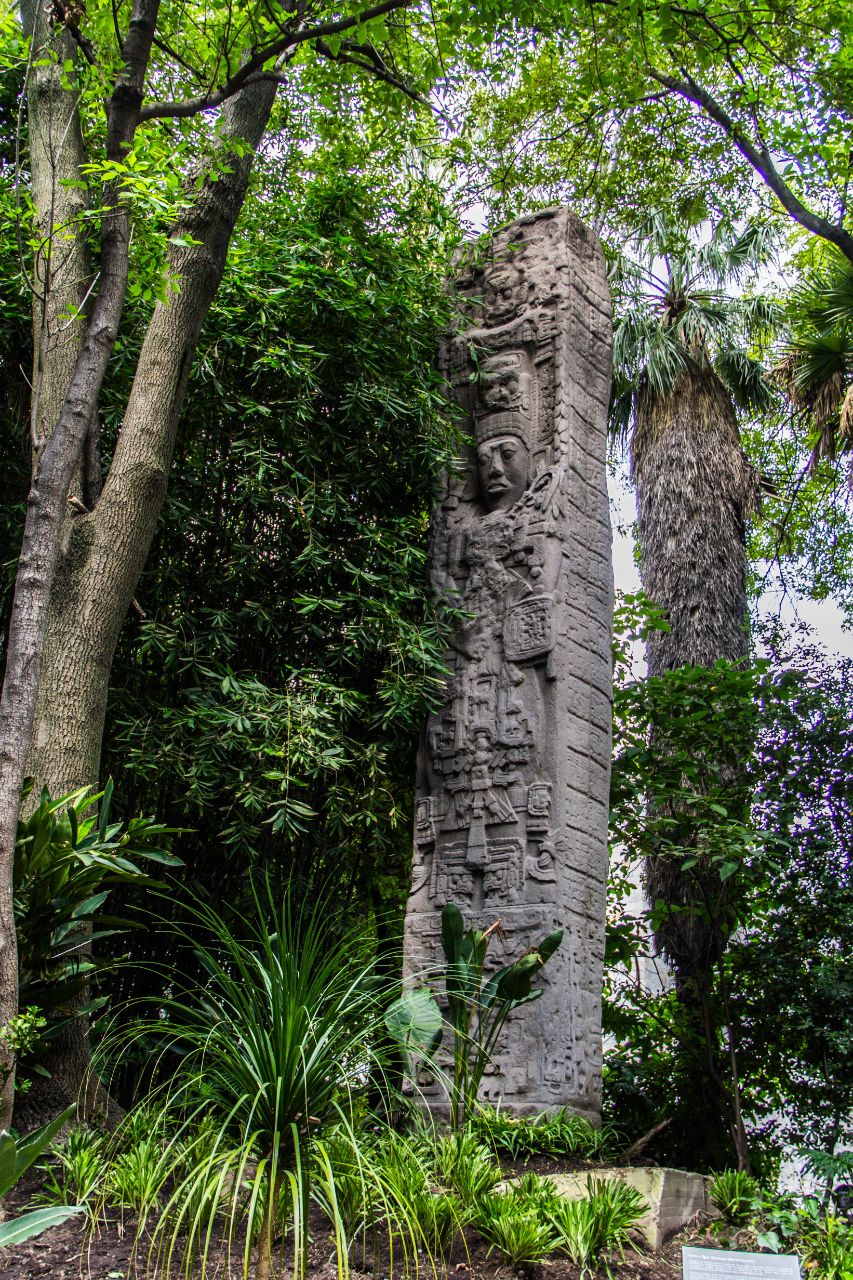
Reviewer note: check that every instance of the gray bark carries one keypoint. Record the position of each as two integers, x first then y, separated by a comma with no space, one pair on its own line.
77,575
694,491
106,549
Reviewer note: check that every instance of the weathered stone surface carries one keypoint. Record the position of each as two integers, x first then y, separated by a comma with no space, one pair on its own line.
673,1196
513,769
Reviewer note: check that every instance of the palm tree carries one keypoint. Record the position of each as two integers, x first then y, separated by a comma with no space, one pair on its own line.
816,369
682,370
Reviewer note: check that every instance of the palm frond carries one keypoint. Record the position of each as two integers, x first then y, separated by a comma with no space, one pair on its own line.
817,366
621,414
845,426
744,378
691,320
665,359
827,298
760,316
752,248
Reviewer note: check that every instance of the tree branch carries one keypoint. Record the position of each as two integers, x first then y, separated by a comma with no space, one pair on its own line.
252,70
760,159
371,60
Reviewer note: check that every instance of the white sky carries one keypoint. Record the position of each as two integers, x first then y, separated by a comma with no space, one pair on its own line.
822,616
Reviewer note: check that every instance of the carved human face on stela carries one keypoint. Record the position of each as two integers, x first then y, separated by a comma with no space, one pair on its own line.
502,465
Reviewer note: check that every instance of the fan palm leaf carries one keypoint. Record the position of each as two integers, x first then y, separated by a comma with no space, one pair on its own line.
816,365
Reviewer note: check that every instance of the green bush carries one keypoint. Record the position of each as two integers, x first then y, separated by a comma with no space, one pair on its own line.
276,1041
824,1242
465,1164
422,1212
736,1194
540,1192
513,1226
76,1171
559,1134
68,856
587,1230
136,1176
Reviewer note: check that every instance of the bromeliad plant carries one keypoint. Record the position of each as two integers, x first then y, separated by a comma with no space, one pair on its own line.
588,1230
737,1196
276,1043
515,1228
477,1006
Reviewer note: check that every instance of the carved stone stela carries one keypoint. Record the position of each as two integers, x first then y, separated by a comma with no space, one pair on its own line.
513,769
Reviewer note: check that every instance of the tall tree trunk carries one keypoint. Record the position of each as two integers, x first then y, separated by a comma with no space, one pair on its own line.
61,269
58,448
694,490
78,569
107,548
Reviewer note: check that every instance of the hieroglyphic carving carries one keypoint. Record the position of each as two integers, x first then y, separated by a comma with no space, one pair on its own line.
513,767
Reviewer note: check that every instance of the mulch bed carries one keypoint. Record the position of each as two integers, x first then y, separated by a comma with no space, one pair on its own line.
71,1252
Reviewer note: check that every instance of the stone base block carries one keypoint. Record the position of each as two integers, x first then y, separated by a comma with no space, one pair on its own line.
672,1195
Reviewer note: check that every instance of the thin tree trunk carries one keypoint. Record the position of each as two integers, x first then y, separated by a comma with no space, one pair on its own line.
61,269
77,573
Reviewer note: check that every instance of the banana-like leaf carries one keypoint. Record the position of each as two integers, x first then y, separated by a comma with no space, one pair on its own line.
516,981
549,944
8,1162
28,1150
33,1224
415,1024
452,932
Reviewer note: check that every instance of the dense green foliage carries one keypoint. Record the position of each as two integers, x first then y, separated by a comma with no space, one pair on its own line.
779,1009
67,859
274,1042
270,699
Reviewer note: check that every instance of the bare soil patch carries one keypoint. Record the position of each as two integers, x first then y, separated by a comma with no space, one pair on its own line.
73,1251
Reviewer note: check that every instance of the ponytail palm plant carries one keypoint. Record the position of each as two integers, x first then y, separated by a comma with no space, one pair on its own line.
685,340
274,1043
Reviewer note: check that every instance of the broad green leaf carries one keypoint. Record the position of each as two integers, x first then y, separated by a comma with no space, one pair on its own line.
33,1224
8,1162
452,931
415,1023
31,1147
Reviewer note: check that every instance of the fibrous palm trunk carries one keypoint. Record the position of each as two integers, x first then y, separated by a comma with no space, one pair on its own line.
694,490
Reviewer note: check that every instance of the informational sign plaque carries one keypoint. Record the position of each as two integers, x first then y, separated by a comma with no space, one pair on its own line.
729,1264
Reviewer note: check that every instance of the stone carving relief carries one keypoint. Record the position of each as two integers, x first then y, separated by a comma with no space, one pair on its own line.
520,545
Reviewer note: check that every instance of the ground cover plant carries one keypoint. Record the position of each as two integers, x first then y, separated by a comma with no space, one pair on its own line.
558,1133
276,1043
212,1167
